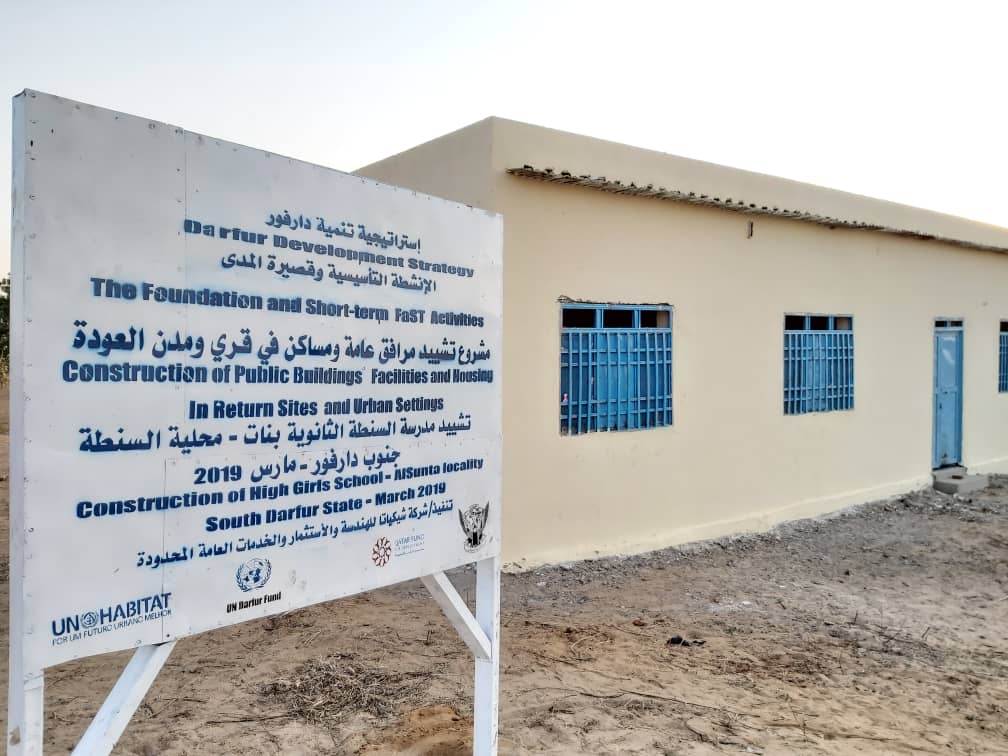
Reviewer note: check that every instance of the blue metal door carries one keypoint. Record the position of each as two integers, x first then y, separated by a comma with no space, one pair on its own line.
947,443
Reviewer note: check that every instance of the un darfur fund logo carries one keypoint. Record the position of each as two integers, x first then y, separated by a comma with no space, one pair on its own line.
473,521
74,627
255,573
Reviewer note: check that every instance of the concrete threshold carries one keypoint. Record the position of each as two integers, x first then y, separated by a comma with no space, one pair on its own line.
955,480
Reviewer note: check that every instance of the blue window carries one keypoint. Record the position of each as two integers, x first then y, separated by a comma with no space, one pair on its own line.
818,363
1003,358
615,367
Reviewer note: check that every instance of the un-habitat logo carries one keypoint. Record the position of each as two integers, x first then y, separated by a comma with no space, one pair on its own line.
74,627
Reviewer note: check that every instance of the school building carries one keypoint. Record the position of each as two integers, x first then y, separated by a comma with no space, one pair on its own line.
693,350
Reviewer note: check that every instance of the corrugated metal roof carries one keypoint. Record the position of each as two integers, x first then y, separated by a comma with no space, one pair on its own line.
735,204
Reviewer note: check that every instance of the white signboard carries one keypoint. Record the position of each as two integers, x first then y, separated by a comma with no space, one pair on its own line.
241,384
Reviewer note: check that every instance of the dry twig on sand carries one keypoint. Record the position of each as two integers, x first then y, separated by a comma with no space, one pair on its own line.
325,691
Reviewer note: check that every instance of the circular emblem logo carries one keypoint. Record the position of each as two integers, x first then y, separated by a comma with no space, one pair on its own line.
255,573
89,619
382,552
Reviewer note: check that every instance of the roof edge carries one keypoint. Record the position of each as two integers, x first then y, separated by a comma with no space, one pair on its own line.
439,139
613,186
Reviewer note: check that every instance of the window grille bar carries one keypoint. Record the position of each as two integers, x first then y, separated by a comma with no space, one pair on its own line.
591,409
667,393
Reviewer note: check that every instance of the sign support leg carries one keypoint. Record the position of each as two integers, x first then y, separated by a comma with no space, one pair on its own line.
487,687
455,609
113,716
482,635
24,715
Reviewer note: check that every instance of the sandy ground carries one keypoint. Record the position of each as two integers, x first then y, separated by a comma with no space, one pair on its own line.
881,630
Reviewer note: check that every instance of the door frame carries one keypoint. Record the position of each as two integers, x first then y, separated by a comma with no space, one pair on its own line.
954,325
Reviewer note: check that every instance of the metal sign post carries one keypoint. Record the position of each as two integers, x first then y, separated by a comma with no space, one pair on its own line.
240,385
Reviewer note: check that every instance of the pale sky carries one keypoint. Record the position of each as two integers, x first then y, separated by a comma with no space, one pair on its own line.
907,101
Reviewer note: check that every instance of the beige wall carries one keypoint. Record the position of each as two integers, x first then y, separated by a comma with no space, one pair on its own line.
455,166
731,461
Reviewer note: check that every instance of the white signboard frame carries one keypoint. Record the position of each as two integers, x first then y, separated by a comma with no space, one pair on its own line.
227,369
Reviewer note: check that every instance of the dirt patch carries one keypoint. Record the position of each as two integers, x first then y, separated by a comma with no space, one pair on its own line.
431,731
878,630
